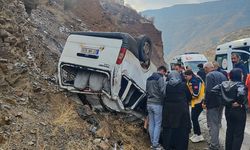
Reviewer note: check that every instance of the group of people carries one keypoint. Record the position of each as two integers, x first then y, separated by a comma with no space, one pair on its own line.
171,95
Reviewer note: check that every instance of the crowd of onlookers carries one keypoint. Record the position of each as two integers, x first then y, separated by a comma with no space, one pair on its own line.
171,95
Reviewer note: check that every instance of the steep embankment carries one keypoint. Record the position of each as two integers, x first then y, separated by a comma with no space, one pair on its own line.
34,112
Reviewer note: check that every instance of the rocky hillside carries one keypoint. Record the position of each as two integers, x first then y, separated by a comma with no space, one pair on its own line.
34,112
198,27
236,35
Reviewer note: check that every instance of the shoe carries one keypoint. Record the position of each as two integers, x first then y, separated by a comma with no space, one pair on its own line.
159,147
197,139
193,136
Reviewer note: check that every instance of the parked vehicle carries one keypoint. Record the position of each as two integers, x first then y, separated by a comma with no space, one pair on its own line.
189,60
224,51
223,57
113,66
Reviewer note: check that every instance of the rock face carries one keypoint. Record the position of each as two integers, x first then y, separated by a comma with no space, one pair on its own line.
34,112
29,5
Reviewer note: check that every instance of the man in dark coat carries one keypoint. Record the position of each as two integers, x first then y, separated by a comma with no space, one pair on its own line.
179,68
235,58
213,104
201,73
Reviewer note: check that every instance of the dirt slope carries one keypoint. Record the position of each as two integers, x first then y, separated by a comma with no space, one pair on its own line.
35,113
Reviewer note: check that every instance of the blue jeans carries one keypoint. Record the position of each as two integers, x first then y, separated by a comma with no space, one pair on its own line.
155,119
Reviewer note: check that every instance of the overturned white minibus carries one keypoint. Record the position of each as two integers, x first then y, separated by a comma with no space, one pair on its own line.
113,66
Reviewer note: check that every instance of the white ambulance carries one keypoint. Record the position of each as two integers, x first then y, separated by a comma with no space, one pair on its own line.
112,66
189,60
224,51
223,57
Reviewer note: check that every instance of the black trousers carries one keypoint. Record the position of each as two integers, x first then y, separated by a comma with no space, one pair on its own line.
236,121
195,113
175,138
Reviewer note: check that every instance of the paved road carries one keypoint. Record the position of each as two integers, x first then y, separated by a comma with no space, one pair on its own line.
203,123
204,130
246,142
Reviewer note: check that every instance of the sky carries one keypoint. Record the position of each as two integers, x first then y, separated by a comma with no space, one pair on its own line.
141,5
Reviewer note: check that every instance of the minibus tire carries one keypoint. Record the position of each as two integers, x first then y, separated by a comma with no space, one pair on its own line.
143,43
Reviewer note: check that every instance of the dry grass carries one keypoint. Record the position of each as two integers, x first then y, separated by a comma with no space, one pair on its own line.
66,116
80,145
131,136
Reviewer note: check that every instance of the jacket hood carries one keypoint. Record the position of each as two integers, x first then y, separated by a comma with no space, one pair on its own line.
155,76
228,85
229,90
174,78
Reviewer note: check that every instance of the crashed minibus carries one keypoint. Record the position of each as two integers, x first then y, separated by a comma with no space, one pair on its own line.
113,66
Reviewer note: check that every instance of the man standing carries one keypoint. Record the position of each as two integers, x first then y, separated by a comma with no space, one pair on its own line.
218,68
235,58
155,88
213,104
201,73
180,69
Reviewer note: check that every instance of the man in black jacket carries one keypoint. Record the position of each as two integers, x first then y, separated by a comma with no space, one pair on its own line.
237,63
179,68
213,105
201,73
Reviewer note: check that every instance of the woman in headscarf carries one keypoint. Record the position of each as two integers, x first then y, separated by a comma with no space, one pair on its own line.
176,117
